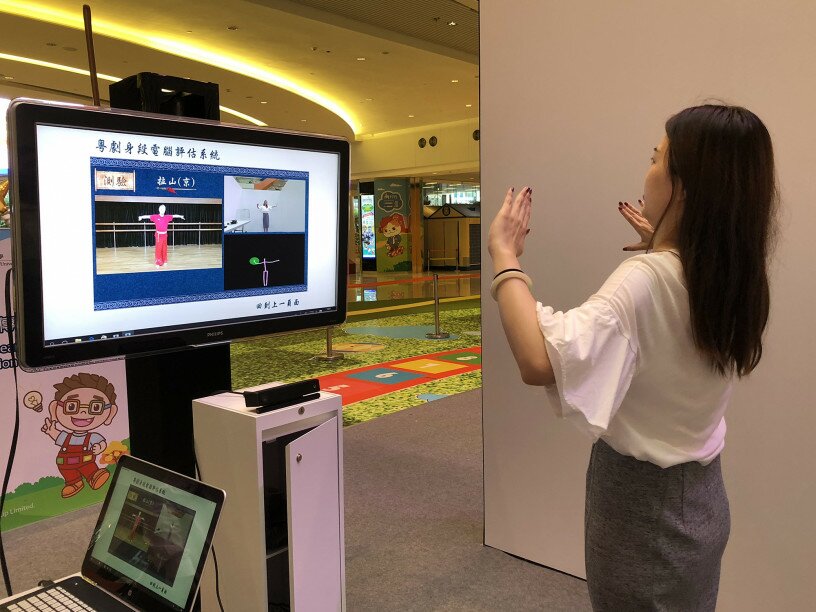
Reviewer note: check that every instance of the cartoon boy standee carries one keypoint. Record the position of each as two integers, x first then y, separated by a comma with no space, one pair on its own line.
391,227
83,402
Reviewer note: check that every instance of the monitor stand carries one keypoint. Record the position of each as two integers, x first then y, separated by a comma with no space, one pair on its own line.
160,390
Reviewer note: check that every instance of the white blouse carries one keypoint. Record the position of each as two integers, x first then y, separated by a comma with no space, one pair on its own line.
627,370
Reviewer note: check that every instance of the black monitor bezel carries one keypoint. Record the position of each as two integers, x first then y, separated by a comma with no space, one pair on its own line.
23,118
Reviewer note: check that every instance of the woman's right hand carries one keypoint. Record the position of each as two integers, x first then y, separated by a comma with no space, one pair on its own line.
638,221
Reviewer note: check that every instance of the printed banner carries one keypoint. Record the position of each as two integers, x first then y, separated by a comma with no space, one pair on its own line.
73,429
392,216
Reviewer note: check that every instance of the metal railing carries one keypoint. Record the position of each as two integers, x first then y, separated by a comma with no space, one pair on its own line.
142,227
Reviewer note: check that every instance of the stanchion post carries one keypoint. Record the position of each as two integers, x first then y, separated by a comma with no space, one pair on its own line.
437,334
329,355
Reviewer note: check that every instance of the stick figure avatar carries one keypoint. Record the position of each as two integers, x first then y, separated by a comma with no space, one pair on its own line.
255,261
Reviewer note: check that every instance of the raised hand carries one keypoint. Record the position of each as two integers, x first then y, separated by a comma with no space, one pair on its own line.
50,428
639,222
510,226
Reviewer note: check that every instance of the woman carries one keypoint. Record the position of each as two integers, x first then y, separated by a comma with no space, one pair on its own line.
646,366
264,208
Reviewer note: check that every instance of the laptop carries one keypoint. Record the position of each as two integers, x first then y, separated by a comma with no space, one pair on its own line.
148,549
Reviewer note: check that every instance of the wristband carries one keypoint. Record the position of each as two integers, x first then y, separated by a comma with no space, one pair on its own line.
498,274
505,275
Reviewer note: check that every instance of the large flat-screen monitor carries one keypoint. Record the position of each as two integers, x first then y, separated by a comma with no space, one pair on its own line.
136,233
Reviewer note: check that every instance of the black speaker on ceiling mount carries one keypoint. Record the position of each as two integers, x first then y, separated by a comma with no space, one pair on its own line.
158,93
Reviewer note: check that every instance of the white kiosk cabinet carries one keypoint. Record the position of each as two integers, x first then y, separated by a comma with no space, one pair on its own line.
279,542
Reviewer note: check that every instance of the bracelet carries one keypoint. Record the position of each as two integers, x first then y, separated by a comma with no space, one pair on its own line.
505,275
498,274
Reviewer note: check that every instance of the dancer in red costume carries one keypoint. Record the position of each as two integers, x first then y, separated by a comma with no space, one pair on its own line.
161,221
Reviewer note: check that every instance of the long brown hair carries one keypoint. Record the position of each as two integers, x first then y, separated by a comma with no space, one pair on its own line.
722,159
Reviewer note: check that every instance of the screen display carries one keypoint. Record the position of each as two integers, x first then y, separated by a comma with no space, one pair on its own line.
141,232
160,227
153,534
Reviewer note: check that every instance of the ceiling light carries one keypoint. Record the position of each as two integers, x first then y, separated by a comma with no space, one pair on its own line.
36,62
8,78
241,115
303,121
264,102
189,31
72,49
360,59
468,105
409,116
220,58
50,44
451,23
232,28
454,80
369,99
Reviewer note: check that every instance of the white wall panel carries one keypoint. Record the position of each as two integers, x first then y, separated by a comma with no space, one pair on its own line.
573,98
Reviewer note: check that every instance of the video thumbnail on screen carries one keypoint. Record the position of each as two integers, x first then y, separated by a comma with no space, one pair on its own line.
151,534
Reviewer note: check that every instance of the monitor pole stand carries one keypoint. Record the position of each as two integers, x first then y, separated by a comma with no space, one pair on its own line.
160,390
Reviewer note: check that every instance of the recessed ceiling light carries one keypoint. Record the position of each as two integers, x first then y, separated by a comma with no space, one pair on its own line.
8,78
451,23
264,102
189,31
360,59
468,105
232,28
386,52
69,48
409,116
369,99
50,44
454,80
303,121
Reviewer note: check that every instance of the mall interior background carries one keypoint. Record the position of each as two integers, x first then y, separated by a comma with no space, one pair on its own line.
400,81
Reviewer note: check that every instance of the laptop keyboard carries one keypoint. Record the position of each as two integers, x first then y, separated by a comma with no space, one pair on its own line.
53,599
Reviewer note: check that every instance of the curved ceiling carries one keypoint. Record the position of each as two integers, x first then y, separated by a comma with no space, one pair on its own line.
291,65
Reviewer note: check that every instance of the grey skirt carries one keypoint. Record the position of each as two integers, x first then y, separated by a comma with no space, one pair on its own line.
654,537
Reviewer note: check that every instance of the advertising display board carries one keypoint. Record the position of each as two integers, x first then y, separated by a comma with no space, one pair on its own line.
62,411
392,219
65,452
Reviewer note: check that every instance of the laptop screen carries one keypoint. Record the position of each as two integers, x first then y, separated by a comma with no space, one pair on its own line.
153,534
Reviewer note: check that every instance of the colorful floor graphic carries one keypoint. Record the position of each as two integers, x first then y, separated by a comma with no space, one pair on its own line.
371,381
292,357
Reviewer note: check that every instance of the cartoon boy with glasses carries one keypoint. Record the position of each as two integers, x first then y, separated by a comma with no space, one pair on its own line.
83,402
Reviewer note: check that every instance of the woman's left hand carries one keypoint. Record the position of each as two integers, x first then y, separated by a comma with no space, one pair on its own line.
510,227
